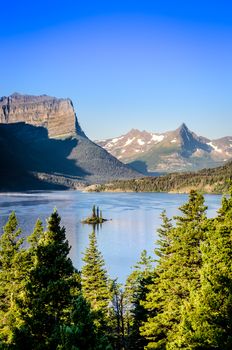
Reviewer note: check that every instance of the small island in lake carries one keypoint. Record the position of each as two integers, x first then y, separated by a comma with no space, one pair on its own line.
95,218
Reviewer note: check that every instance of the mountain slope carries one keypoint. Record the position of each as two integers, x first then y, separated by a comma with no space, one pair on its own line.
178,150
49,144
213,180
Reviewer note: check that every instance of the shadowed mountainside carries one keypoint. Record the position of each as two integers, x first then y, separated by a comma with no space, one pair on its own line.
29,157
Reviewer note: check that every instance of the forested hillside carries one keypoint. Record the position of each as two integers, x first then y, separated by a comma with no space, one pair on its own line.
216,180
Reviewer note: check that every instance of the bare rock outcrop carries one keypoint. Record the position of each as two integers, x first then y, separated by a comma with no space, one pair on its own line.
57,115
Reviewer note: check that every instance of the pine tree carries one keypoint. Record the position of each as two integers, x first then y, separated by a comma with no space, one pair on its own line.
94,211
94,279
101,217
134,295
207,315
36,235
96,286
164,241
176,273
11,276
47,298
81,332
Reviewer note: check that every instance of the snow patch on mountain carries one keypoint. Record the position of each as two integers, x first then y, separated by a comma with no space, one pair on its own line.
140,142
157,138
214,147
129,141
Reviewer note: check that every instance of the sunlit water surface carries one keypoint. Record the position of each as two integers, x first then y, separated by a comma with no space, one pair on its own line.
135,219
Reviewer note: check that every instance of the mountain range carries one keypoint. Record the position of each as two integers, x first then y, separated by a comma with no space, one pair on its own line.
43,146
178,150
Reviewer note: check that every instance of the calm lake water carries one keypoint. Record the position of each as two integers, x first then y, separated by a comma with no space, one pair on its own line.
135,218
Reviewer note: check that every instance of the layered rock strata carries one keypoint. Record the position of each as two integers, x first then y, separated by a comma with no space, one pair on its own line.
57,115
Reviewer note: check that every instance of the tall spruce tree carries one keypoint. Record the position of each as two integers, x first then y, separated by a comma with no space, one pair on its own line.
47,297
134,296
176,272
207,316
96,286
11,277
94,280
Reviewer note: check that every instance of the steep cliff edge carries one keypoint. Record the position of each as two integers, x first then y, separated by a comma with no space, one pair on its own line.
43,146
57,115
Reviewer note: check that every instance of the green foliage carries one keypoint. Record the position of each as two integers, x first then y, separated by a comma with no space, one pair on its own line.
47,295
94,211
183,302
134,296
96,289
207,316
207,180
94,280
11,276
176,271
81,332
96,217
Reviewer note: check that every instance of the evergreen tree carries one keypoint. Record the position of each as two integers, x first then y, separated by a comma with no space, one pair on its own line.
47,298
164,241
134,295
94,211
207,315
81,332
36,235
101,217
11,275
95,284
94,279
176,272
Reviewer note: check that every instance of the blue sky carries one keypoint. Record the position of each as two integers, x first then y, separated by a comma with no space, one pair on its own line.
125,64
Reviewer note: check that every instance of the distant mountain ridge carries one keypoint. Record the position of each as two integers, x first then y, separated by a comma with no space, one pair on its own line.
178,150
43,146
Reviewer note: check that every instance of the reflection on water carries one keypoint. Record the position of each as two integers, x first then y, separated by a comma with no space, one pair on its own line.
135,218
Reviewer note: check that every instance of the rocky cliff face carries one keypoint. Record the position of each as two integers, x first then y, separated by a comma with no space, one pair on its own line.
55,114
42,146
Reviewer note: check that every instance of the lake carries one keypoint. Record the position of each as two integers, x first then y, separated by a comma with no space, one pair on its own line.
135,218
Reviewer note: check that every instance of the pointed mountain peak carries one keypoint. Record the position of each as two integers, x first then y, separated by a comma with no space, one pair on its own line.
183,127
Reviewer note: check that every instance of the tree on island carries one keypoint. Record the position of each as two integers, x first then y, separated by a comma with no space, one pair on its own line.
95,218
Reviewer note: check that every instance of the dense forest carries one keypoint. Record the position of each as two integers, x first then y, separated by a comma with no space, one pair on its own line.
216,180
180,298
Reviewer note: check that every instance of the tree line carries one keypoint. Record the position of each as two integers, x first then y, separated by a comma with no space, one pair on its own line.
214,180
179,298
